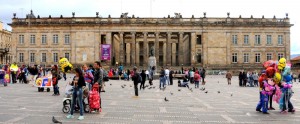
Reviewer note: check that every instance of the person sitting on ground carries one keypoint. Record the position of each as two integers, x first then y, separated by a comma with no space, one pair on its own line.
184,83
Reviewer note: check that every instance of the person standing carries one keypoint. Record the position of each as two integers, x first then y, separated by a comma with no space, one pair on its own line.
88,77
162,75
143,74
229,76
203,75
255,78
299,77
167,78
251,79
98,78
14,69
135,78
54,72
241,79
191,73
78,82
171,74
197,79
245,78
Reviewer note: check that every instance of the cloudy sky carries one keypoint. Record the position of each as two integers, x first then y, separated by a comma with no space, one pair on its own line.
160,8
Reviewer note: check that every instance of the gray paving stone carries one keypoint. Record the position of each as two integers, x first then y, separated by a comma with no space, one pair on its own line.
21,103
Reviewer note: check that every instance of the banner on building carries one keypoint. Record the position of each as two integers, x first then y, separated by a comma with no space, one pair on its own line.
105,51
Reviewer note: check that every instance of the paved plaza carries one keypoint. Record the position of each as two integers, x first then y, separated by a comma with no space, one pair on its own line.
22,103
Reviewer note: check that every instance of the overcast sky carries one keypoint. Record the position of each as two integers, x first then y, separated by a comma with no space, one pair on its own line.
160,8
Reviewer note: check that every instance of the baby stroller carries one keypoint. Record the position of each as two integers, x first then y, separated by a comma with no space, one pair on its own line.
68,100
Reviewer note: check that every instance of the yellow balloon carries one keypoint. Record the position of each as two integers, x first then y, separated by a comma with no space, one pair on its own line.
277,78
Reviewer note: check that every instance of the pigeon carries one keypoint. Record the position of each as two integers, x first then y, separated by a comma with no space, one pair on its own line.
206,91
179,89
171,93
55,121
191,90
110,84
130,85
166,99
231,95
122,86
149,87
153,87
219,92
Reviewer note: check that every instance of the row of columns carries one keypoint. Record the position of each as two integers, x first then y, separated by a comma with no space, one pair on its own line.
133,50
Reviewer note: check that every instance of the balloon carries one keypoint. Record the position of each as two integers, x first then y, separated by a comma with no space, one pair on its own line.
270,63
277,78
286,70
281,63
287,78
270,71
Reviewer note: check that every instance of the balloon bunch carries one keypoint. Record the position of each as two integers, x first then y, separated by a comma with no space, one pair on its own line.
275,81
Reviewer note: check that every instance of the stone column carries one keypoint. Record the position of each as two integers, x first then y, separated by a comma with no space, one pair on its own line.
128,53
156,43
146,50
133,50
180,51
193,49
165,54
137,53
174,54
169,48
121,54
108,41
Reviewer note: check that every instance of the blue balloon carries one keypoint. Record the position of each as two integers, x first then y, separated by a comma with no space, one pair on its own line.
287,78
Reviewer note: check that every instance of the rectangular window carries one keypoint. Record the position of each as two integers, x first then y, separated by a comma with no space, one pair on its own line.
234,57
257,57
246,39
44,39
21,39
269,56
199,40
67,39
44,59
67,55
246,57
234,39
280,55
32,57
55,57
280,40
269,39
32,39
257,39
55,39
21,57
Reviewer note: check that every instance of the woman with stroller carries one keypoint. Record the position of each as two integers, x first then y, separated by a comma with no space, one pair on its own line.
78,82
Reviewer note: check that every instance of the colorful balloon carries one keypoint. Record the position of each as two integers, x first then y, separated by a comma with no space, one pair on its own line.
270,63
281,63
270,71
277,78
65,65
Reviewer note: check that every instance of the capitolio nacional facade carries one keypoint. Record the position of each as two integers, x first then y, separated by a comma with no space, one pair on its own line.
128,40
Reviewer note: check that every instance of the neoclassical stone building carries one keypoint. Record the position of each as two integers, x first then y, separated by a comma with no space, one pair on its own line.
177,41
5,45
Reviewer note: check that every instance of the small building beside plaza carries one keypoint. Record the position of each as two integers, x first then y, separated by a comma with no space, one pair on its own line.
5,45
216,43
